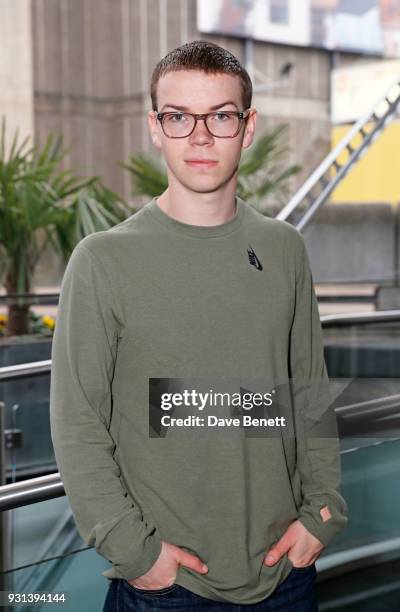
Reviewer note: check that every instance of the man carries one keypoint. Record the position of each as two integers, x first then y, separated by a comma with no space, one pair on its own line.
193,289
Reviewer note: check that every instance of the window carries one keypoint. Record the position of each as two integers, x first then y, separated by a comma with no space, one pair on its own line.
279,11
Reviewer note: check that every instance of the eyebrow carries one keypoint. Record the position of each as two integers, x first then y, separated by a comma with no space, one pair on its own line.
184,108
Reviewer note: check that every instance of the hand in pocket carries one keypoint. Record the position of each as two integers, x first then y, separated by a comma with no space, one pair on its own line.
163,572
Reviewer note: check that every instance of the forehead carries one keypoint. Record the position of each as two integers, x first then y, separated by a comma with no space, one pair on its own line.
195,87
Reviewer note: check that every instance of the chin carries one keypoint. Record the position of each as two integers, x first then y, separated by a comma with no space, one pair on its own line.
203,183
202,187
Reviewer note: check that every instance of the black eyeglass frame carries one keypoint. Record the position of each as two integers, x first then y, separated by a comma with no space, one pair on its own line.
242,115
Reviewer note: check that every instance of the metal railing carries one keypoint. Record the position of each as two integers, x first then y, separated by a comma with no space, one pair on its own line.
30,491
322,182
357,318
45,299
48,487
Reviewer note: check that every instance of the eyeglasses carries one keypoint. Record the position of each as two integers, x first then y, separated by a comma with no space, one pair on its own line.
222,124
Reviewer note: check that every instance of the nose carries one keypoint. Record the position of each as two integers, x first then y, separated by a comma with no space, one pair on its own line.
200,134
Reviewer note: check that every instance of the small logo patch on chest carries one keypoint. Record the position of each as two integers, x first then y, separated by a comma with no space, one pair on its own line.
253,259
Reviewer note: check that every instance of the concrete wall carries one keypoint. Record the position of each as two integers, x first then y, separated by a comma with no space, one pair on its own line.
354,242
92,66
16,89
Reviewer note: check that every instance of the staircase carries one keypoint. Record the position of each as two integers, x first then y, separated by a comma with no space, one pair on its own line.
318,187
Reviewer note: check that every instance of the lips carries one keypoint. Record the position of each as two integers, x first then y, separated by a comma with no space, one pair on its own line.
201,162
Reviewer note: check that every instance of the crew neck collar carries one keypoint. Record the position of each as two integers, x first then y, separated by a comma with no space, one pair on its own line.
197,231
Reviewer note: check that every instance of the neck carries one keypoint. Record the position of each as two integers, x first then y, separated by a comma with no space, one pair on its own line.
193,208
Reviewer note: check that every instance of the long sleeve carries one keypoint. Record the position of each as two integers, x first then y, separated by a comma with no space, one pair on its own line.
84,353
318,447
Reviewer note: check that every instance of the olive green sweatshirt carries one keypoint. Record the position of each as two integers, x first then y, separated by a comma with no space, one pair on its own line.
153,301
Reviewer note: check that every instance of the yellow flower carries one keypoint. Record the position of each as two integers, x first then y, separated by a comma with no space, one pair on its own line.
48,321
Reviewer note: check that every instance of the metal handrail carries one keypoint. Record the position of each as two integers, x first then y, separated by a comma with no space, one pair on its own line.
344,319
48,487
46,299
331,161
31,491
39,489
52,299
25,369
44,367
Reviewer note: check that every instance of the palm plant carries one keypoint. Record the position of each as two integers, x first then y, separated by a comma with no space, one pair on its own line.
41,205
263,173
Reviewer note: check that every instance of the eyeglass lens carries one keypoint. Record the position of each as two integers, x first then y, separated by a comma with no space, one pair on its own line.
182,124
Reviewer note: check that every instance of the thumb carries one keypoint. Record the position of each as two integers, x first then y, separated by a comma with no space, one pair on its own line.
279,549
192,562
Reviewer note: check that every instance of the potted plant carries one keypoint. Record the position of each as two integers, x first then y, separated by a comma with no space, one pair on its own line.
263,175
41,204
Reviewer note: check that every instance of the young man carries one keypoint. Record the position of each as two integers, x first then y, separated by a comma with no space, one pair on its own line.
195,289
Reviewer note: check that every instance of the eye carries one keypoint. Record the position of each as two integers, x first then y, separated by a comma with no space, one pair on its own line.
177,117
221,116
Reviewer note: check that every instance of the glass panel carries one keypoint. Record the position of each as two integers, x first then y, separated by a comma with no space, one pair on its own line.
371,487
46,533
371,350
78,576
27,410
26,402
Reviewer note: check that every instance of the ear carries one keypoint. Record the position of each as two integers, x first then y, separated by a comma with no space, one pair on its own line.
250,128
154,129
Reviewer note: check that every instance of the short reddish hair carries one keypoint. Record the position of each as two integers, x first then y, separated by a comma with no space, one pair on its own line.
206,56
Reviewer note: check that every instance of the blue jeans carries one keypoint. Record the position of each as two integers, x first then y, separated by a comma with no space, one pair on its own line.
295,594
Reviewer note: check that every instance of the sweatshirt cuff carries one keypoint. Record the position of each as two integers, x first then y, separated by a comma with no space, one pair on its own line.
324,531
131,545
151,552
